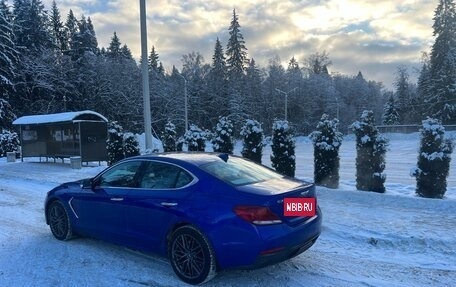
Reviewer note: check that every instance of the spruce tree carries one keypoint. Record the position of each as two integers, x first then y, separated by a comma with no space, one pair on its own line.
195,138
236,53
283,157
252,137
326,141
433,160
390,112
442,94
58,31
114,50
8,64
371,148
131,145
223,136
115,143
169,137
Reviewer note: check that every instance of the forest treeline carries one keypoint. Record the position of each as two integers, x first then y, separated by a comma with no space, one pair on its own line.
49,64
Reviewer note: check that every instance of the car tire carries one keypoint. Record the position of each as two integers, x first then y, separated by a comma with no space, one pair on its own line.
59,222
191,255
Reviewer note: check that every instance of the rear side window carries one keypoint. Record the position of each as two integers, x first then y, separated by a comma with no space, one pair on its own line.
238,171
159,175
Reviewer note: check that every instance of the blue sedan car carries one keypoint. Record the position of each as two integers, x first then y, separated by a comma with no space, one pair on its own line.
204,212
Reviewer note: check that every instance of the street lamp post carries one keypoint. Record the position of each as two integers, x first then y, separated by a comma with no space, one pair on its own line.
286,100
145,76
185,102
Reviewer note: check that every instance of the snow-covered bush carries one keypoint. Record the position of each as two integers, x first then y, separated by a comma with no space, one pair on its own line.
195,138
326,141
9,142
283,157
180,144
371,148
114,144
252,135
433,160
131,145
222,140
169,137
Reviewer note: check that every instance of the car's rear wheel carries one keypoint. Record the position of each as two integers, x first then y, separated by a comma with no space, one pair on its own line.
191,255
59,222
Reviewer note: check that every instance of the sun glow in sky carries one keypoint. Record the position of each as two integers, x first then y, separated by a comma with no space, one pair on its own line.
371,36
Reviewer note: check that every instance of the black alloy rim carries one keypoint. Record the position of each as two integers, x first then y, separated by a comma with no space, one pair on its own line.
188,256
58,220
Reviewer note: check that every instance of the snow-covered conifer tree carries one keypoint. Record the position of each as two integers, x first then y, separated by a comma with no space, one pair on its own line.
223,136
115,143
195,138
131,145
9,142
252,135
433,160
283,157
169,137
326,140
371,148
390,112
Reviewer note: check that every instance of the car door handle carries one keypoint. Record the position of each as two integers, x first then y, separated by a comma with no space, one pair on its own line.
117,198
169,204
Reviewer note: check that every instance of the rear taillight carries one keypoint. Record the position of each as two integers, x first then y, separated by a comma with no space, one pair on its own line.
260,215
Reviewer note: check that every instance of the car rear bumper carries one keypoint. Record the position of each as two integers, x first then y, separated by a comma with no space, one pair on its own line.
266,245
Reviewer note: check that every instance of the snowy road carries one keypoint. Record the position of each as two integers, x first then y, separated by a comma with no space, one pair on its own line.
368,239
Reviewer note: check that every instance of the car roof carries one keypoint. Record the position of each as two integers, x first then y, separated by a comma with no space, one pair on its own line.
195,158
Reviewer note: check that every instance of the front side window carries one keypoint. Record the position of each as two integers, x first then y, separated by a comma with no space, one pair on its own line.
164,176
122,175
238,171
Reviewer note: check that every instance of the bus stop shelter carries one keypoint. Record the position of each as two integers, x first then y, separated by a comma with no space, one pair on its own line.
64,135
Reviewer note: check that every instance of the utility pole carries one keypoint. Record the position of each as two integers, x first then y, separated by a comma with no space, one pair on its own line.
185,102
286,100
145,77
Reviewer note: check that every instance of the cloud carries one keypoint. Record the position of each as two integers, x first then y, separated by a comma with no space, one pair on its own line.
368,35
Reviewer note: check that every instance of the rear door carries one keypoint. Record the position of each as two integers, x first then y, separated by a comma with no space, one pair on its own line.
162,198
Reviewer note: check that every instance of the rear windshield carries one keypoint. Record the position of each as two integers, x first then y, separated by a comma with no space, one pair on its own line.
238,171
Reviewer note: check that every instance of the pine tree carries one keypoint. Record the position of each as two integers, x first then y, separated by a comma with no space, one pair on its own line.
131,145
326,141
114,144
371,148
433,160
195,138
442,96
390,112
169,137
283,157
114,50
223,136
252,136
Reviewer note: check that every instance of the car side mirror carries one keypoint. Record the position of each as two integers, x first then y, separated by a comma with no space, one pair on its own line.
87,183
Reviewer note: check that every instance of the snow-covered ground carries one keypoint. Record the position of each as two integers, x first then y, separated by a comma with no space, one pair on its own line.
368,239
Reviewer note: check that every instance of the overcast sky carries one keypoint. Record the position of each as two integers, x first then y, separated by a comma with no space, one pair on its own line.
372,36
